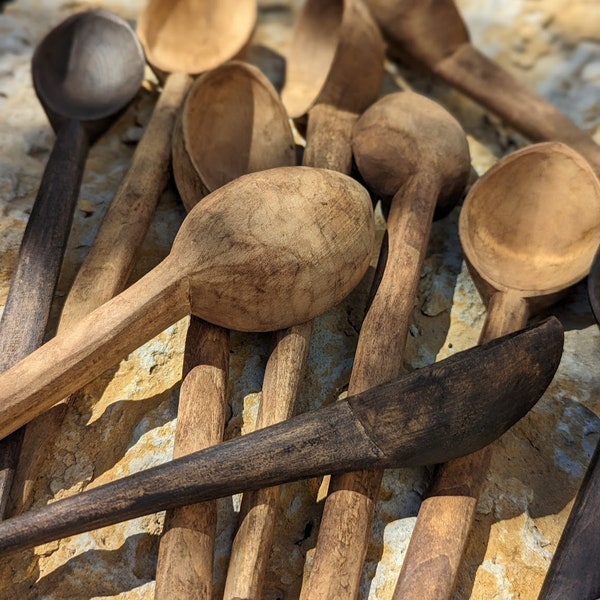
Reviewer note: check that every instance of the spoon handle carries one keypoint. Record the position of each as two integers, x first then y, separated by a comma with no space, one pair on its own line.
108,265
496,89
35,276
72,359
185,554
445,518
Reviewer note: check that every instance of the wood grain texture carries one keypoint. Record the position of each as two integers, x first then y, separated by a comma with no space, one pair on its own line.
391,144
451,408
434,34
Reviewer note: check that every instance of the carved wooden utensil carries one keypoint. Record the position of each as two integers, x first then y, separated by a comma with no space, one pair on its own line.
232,123
85,72
229,266
411,150
433,33
183,38
529,229
448,409
573,572
340,45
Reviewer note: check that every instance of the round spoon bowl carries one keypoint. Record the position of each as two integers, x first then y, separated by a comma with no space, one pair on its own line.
231,123
532,224
88,67
193,36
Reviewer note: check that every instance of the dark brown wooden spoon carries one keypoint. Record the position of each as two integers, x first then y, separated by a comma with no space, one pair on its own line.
446,410
409,149
85,72
573,573
434,34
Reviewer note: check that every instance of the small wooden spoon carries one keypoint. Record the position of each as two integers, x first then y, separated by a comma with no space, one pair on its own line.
529,230
408,148
232,123
434,34
573,572
228,265
85,72
448,409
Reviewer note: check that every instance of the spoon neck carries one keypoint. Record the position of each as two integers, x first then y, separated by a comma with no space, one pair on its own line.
507,312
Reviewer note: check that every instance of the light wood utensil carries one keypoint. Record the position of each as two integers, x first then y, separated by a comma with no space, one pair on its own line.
232,123
179,41
334,72
433,33
529,228
448,409
85,72
411,150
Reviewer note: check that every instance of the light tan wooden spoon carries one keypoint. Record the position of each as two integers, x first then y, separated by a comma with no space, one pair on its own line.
183,38
433,33
408,148
529,229
231,123
228,265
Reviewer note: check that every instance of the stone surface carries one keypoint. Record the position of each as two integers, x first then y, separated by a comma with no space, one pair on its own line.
124,421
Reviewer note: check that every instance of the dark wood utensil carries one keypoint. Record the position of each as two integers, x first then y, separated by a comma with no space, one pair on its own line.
85,72
433,33
411,150
574,572
446,410
529,228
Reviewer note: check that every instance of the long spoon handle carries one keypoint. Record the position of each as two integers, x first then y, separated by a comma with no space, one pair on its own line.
108,265
574,572
69,361
185,556
341,548
328,145
34,279
489,84
445,518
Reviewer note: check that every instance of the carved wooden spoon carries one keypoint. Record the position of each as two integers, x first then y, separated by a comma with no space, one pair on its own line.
433,33
228,265
445,410
529,230
573,572
410,149
85,72
232,123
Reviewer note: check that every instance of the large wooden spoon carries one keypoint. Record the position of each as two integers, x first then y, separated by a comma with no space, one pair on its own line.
229,266
85,72
183,38
529,230
434,34
232,123
573,572
444,410
408,148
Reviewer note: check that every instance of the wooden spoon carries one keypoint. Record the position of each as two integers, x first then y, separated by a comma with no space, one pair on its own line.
447,409
408,148
573,572
529,230
85,72
183,38
232,123
228,265
433,33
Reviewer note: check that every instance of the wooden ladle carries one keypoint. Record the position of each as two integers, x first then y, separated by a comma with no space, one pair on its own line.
444,410
529,228
410,149
573,571
433,33
85,72
232,123
229,266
